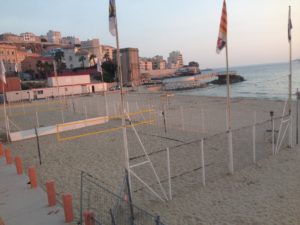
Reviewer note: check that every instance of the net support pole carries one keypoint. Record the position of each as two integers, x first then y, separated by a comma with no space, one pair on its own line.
229,132
254,139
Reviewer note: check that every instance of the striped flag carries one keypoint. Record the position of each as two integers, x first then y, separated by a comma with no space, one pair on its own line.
112,17
222,39
290,26
2,72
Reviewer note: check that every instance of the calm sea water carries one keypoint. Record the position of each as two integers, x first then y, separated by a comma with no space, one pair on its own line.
262,81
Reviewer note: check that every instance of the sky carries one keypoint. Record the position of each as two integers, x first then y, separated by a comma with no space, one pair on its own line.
257,29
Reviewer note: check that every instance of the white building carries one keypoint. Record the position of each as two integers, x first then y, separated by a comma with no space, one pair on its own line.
68,79
70,40
73,55
54,37
28,37
175,60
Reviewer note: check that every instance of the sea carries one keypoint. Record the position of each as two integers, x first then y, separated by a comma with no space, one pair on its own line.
267,81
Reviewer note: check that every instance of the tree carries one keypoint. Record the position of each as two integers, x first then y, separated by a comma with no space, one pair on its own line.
106,57
193,63
82,59
59,55
109,71
93,58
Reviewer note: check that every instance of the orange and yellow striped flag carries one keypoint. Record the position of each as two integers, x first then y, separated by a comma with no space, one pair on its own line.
222,39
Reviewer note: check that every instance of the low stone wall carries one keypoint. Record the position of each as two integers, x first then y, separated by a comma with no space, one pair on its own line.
159,73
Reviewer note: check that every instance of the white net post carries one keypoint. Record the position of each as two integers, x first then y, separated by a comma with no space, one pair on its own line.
254,138
169,173
203,163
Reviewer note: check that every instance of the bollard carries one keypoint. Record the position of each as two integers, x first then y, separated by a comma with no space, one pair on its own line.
89,218
1,150
8,157
68,207
19,165
32,177
50,187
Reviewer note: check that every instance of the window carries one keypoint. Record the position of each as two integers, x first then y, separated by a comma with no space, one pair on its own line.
66,89
70,58
40,92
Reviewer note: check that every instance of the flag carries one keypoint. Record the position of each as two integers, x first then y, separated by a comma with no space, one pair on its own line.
99,68
16,67
222,39
290,26
112,17
2,72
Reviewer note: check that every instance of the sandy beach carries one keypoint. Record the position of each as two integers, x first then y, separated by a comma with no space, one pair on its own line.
263,193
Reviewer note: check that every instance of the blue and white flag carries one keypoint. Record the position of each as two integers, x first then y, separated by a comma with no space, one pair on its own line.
112,17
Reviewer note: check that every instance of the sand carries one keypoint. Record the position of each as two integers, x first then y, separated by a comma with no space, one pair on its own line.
261,193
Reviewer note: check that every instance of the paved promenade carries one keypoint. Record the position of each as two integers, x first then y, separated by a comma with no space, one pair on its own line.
21,205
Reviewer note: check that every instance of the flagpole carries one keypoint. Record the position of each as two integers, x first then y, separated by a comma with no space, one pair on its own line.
290,75
290,81
124,131
229,132
4,108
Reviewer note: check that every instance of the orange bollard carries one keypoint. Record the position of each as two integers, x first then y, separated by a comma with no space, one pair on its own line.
19,165
89,218
50,187
1,150
32,177
8,157
68,207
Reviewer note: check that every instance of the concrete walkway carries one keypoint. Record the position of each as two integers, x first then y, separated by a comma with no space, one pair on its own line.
21,205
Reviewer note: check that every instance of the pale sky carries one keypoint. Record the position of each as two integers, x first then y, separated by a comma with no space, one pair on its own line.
257,29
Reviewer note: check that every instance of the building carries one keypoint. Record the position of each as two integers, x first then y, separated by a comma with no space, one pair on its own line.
30,37
175,60
107,52
70,40
8,53
145,64
92,46
12,84
54,37
77,58
30,63
159,63
9,37
130,66
67,79
12,57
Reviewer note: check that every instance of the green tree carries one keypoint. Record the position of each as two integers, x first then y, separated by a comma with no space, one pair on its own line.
109,71
82,59
58,57
106,57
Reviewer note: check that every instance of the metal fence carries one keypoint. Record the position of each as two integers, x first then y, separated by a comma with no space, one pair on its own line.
109,208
